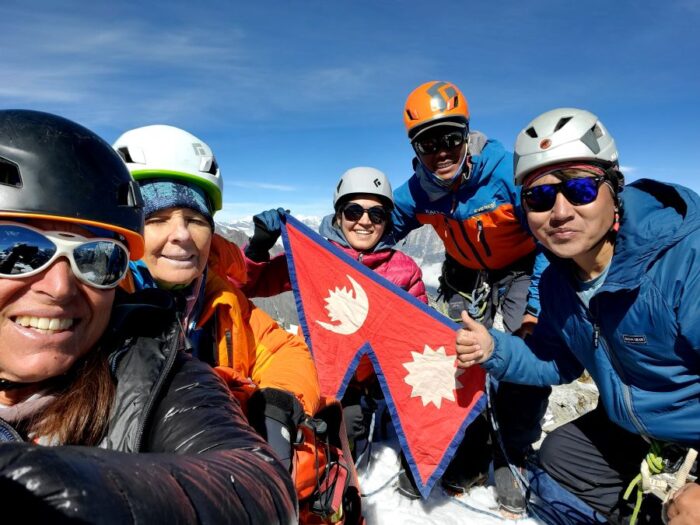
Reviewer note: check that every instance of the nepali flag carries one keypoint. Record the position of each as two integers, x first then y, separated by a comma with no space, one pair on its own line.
346,311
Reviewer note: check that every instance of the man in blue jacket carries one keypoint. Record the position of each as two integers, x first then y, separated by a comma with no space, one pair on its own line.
463,187
620,300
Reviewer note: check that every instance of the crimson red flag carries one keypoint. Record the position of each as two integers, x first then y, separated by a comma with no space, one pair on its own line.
346,311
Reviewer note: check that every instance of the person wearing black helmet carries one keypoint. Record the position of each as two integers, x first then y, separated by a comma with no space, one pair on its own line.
620,300
155,435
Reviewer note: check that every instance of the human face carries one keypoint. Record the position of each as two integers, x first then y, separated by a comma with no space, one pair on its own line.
51,319
445,161
177,245
362,234
572,231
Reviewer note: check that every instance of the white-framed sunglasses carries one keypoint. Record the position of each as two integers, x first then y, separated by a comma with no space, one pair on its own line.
100,262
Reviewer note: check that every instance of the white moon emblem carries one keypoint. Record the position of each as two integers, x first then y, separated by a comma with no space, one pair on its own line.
346,309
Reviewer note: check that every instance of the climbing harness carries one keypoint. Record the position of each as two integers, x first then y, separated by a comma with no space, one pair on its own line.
476,302
664,470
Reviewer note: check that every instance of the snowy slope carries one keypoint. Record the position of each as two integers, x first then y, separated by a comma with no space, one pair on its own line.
384,505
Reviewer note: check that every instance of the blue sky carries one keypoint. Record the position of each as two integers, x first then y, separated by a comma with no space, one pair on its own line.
291,94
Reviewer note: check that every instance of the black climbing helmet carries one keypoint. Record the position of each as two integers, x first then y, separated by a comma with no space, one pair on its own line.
53,168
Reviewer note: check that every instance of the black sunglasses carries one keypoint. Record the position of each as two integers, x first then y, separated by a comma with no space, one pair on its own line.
577,191
434,143
353,212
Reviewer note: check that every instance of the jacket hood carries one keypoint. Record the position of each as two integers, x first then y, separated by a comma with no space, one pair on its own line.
655,216
334,233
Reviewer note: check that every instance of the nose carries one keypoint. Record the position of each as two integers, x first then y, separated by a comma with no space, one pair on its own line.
364,219
57,281
179,231
562,209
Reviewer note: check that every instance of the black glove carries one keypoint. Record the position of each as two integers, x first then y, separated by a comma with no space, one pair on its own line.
275,415
268,227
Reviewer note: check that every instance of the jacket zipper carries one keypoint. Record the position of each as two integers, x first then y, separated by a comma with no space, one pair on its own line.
8,433
481,237
471,246
165,373
599,340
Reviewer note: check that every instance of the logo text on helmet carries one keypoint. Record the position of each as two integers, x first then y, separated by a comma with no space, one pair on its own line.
377,183
198,149
438,99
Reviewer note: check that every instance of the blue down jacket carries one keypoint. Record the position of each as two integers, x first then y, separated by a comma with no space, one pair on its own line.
177,450
640,337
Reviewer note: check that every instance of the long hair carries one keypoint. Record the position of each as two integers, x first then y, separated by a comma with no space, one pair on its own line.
80,413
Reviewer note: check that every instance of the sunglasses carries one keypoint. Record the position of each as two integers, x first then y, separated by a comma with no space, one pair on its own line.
354,212
577,191
434,143
26,251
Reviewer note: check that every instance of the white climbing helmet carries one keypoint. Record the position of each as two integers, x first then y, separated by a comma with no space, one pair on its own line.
562,135
166,151
364,180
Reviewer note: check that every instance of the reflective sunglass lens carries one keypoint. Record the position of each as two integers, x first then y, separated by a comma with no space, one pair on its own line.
101,262
454,139
581,191
541,198
353,212
23,250
377,214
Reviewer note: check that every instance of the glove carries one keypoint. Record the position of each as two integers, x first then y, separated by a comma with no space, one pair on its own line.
268,226
275,414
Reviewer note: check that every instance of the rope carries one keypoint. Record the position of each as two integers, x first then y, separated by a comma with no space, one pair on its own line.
382,486
655,463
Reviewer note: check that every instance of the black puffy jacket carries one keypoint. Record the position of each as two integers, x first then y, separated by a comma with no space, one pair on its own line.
177,450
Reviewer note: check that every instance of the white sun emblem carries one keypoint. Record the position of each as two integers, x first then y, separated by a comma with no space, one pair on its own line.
347,309
433,376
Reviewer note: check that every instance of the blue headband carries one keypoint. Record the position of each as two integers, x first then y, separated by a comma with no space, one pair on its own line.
161,194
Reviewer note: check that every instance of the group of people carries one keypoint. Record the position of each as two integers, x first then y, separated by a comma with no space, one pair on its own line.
139,382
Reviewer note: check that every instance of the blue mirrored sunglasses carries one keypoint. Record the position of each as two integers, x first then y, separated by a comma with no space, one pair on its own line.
578,191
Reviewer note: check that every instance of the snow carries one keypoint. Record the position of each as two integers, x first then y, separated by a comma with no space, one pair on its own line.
382,504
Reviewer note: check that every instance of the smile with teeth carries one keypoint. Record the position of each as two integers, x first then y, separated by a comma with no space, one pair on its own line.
46,324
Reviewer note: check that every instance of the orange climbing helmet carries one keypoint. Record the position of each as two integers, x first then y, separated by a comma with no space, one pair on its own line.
434,103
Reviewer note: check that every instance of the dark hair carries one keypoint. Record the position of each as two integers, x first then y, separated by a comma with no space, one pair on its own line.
80,413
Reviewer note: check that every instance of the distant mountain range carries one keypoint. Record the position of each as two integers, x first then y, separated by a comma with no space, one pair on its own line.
423,245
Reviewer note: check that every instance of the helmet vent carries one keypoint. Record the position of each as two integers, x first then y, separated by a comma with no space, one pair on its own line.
410,115
213,167
9,174
124,154
562,122
531,132
597,131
